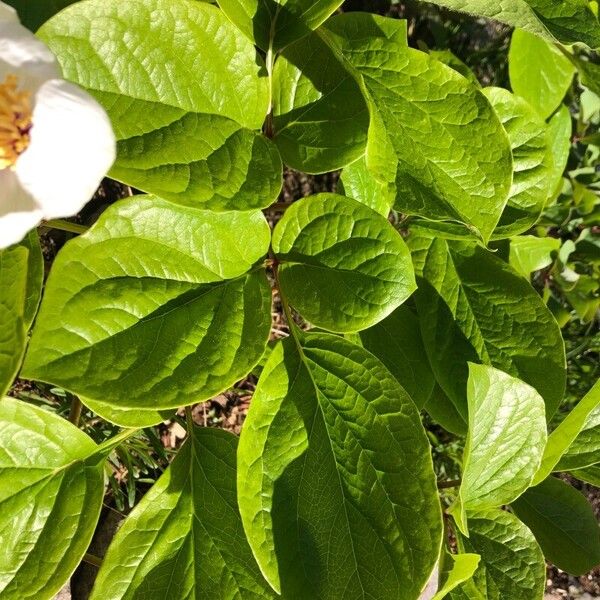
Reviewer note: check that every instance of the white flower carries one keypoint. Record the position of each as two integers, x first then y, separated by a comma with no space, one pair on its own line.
56,142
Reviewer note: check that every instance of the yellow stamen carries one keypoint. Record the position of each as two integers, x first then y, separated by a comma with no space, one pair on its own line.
15,121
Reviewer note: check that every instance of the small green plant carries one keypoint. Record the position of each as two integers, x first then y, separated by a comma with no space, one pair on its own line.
331,491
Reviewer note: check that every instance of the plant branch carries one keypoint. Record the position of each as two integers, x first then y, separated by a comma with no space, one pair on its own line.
92,560
451,483
75,412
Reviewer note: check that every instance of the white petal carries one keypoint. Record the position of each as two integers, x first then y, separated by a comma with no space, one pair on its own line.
72,147
8,14
19,212
22,54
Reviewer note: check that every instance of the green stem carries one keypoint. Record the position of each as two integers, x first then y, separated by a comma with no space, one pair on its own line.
92,560
189,419
65,225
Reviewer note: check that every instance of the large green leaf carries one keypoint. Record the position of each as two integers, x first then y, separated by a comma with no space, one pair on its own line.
185,93
358,182
344,267
566,21
320,116
185,539
432,133
128,417
534,179
273,24
335,481
51,490
396,342
575,443
505,443
458,569
473,307
529,253
21,273
590,475
512,564
563,523
584,451
156,306
539,72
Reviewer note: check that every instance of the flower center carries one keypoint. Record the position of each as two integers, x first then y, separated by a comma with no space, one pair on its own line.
15,121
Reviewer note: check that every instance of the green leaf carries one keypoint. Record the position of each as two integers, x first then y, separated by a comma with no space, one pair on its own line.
35,276
443,411
567,21
358,182
320,117
584,451
273,24
560,130
185,538
464,293
156,306
590,475
589,74
534,180
185,93
34,13
539,72
448,58
529,253
128,417
335,481
432,132
51,490
512,565
575,443
460,568
21,274
396,342
344,267
505,443
563,523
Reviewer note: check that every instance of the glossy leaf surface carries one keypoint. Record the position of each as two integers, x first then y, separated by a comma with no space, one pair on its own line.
539,72
21,273
432,133
185,539
335,481
320,116
187,139
396,342
358,183
464,293
529,253
276,23
534,178
567,21
505,441
563,523
344,267
155,307
584,451
512,564
575,443
460,568
51,490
